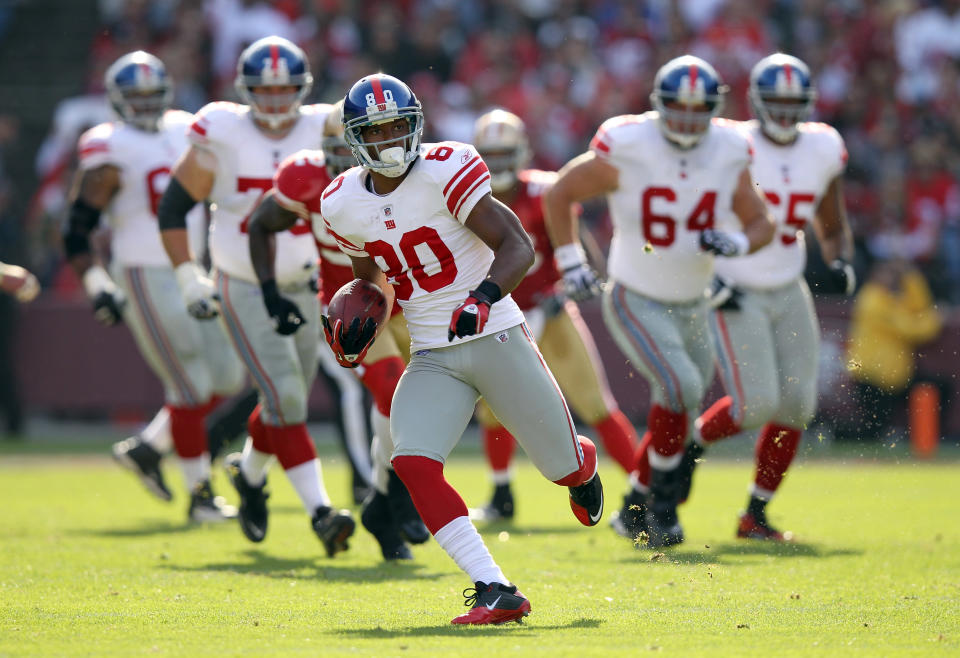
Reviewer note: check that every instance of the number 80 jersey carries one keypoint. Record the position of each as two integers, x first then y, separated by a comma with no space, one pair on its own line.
416,235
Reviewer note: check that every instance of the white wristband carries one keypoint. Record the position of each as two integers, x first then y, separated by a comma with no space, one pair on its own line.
96,280
740,239
186,273
569,255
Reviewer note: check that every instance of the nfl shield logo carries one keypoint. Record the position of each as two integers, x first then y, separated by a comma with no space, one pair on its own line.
388,211
503,337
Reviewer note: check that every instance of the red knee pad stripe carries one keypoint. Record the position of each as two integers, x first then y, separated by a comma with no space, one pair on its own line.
499,445
642,460
291,444
258,432
380,378
586,470
437,502
717,422
619,438
776,448
667,429
188,430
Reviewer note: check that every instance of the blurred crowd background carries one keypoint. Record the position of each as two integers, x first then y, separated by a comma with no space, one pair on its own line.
887,72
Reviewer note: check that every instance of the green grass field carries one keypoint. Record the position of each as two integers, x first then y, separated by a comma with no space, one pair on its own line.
91,565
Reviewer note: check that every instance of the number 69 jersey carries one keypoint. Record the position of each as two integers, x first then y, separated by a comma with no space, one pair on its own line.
416,236
793,178
666,197
144,160
246,162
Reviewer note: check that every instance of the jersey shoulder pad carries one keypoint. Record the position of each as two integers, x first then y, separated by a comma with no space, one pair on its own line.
316,115
98,146
616,131
178,118
735,136
216,122
300,180
536,181
333,200
830,144
460,172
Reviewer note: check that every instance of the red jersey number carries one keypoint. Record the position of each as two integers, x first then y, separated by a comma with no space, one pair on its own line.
157,181
795,223
661,230
264,185
409,243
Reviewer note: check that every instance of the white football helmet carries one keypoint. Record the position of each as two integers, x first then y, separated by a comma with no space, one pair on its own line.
501,139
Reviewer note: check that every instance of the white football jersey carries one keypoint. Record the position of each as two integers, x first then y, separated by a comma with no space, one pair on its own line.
144,160
666,197
246,161
416,235
794,179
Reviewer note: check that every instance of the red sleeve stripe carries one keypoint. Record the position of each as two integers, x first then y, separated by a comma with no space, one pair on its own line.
467,195
90,149
457,175
457,194
597,145
341,240
197,128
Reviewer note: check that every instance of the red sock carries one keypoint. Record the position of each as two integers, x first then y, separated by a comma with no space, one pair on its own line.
188,430
619,438
668,430
258,432
499,445
776,448
291,444
380,378
642,460
587,468
437,502
717,422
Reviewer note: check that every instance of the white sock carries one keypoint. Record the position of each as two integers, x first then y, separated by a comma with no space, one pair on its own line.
463,543
307,480
255,464
502,477
697,436
638,485
195,470
380,454
157,433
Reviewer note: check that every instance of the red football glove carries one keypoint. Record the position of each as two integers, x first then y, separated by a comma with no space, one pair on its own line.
470,317
350,346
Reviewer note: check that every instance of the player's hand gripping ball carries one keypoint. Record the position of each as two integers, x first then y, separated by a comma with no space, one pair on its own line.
353,316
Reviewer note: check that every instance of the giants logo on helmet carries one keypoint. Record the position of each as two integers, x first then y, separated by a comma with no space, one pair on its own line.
788,83
275,70
692,89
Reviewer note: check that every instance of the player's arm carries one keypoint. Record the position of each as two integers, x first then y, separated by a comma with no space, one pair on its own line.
751,209
357,338
18,282
91,192
191,181
268,219
835,238
585,177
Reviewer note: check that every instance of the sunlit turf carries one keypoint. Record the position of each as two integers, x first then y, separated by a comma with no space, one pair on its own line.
90,564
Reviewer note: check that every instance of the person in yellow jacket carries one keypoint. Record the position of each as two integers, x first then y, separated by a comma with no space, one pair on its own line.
894,313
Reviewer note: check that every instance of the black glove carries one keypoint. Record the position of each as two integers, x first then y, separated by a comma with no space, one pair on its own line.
724,295
470,317
108,307
721,243
349,345
843,276
285,314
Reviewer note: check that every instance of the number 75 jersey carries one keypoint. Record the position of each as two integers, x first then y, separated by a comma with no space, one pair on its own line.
665,199
416,236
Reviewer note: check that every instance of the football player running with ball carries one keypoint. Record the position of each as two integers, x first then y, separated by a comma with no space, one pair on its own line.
233,153
421,216
670,177
765,328
555,322
124,167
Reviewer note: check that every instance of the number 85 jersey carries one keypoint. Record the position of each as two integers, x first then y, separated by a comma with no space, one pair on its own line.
416,235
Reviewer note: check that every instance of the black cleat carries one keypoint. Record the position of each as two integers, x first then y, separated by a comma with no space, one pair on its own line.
495,603
663,526
378,521
586,501
404,512
688,463
630,520
500,507
333,528
139,457
207,508
253,500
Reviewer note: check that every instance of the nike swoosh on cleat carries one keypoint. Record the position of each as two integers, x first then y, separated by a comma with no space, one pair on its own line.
494,604
596,518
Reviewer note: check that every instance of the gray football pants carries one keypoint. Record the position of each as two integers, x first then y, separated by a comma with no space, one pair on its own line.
438,390
768,353
192,358
668,343
282,367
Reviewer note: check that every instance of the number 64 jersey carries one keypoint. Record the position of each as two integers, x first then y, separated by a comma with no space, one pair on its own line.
416,236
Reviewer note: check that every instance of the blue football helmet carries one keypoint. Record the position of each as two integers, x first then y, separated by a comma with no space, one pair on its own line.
692,82
139,89
273,62
375,99
781,95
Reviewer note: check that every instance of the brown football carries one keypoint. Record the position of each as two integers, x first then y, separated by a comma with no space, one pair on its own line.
357,299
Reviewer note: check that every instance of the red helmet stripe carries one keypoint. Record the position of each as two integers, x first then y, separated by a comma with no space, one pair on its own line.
788,73
377,91
693,77
274,57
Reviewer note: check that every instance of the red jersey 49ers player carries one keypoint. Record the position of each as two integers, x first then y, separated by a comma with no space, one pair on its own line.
421,216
